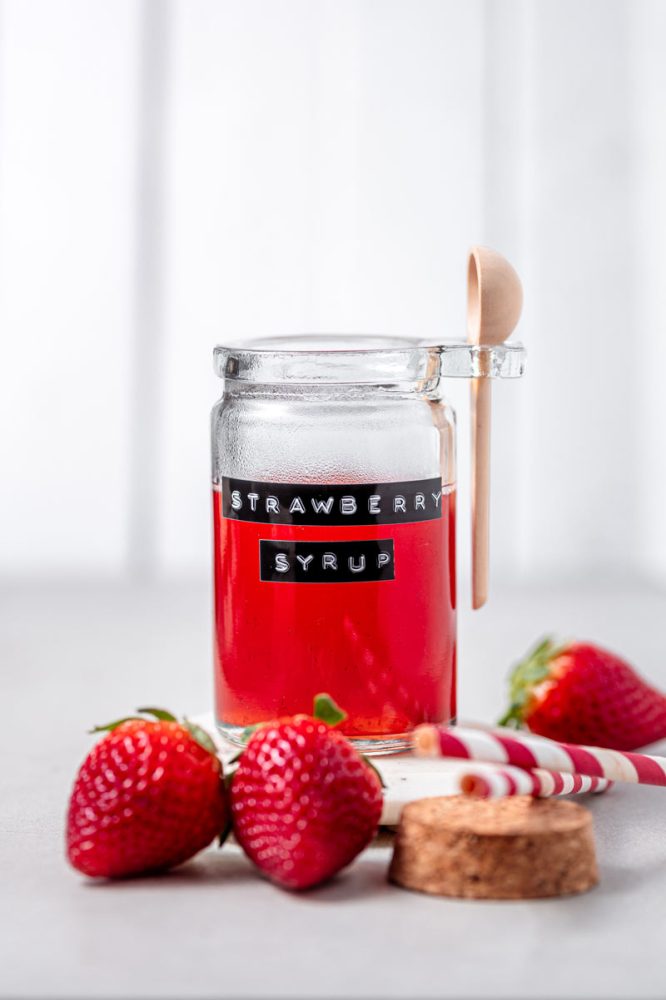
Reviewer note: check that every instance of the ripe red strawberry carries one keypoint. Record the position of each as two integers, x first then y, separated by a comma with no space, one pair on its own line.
304,802
147,797
580,693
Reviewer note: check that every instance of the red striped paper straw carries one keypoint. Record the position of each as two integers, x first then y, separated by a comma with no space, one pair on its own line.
524,750
502,781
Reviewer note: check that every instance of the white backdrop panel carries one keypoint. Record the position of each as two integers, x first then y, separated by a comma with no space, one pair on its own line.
173,172
67,222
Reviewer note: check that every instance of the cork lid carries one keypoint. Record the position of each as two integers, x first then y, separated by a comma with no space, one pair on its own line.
517,816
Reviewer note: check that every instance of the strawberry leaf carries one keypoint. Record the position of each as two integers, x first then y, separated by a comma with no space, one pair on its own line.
110,726
372,767
159,713
228,823
224,833
201,736
525,676
248,731
326,710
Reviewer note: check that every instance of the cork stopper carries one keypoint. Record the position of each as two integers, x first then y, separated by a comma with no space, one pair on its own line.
512,848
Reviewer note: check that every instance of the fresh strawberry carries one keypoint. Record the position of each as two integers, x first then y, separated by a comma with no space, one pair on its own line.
580,693
148,796
304,802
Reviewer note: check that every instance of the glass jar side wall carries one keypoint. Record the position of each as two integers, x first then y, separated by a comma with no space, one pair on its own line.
321,435
384,648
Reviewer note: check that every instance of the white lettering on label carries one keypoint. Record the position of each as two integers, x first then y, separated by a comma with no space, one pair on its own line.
281,563
383,559
305,561
322,506
329,560
357,568
348,505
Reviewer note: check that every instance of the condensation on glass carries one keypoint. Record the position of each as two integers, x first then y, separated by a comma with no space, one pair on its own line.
334,506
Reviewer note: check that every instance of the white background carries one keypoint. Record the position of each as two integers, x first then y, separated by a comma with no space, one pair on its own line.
173,172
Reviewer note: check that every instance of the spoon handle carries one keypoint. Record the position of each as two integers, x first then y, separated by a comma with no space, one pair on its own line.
480,421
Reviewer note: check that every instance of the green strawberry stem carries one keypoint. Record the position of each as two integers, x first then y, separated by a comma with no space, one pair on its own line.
159,713
200,735
196,732
110,726
326,710
535,668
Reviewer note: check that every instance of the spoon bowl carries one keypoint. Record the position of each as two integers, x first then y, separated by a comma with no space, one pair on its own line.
494,297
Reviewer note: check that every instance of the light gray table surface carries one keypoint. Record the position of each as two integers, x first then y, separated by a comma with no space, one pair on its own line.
75,654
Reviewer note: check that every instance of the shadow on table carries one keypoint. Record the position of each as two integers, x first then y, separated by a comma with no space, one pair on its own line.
365,877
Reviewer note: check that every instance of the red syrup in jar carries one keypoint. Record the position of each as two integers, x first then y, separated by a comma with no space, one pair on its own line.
384,650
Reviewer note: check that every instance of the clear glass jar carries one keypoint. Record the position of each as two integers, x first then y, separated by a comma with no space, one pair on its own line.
334,504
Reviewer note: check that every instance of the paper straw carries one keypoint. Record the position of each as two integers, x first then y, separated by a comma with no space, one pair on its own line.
502,781
524,750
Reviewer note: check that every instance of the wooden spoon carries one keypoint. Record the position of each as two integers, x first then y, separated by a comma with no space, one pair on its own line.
494,301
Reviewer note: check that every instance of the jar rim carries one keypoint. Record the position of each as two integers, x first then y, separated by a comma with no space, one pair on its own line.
363,359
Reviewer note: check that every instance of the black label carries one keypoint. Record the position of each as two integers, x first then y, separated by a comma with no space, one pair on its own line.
326,562
314,504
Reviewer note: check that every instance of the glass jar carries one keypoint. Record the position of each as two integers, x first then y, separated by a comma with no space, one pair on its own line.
334,506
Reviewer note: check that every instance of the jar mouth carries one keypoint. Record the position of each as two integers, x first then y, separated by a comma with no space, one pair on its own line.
325,343
362,359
